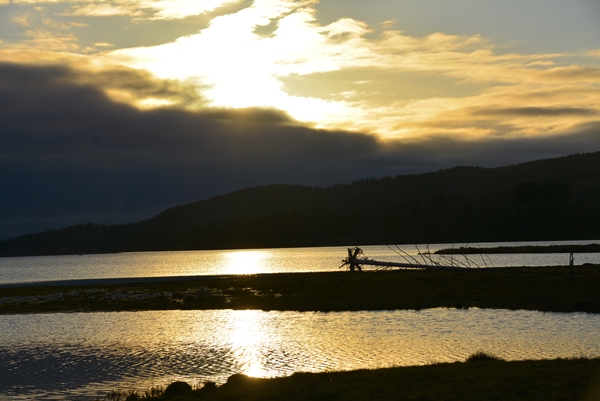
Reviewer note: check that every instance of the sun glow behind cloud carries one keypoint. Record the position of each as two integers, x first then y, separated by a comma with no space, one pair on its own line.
276,54
244,57
242,68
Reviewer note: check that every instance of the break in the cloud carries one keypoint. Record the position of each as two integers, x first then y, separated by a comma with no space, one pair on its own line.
114,110
243,66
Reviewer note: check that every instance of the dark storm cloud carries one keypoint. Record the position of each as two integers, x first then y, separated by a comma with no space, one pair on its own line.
69,154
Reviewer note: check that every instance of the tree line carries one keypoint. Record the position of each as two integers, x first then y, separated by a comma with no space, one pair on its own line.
552,199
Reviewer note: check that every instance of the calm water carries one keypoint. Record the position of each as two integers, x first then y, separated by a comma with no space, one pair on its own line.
189,263
58,356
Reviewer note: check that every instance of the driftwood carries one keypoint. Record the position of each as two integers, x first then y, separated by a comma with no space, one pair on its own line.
355,263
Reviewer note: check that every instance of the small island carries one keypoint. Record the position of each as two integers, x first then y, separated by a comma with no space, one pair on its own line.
575,248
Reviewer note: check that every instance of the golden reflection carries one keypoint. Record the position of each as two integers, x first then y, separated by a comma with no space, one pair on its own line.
247,338
245,262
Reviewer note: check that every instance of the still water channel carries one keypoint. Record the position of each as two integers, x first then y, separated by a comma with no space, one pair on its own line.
66,356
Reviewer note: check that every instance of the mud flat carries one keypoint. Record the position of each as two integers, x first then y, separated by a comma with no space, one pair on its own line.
530,288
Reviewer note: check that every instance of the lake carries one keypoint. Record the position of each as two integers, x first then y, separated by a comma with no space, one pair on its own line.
282,260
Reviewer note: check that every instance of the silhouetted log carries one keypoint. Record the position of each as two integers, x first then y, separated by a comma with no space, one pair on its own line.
369,262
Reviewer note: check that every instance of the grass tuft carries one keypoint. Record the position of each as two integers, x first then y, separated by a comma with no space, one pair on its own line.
154,393
481,356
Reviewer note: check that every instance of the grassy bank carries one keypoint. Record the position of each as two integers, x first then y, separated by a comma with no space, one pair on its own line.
532,288
478,379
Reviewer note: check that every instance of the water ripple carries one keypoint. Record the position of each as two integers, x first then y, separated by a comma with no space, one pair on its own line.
57,356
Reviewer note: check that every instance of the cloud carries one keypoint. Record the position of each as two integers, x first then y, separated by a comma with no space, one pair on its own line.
105,10
247,56
540,111
142,9
173,9
242,59
23,19
572,73
69,153
47,40
54,23
593,53
240,67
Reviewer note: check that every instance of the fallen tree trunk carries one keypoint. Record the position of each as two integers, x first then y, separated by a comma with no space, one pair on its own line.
354,262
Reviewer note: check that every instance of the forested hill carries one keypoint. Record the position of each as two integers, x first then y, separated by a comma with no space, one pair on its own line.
550,199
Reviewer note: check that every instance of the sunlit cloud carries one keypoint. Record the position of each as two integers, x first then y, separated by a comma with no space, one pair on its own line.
149,9
105,10
247,56
52,23
48,40
172,9
23,19
593,53
97,47
242,65
47,1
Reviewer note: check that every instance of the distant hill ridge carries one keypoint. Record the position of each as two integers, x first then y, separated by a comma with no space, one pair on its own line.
548,199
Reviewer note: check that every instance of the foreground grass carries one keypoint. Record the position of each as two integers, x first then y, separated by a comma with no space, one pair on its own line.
478,379
531,288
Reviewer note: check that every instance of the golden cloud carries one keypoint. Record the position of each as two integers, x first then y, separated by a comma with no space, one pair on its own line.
24,19
145,9
593,53
52,23
105,10
242,58
47,40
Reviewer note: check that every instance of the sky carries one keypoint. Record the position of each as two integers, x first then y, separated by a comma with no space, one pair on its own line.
112,111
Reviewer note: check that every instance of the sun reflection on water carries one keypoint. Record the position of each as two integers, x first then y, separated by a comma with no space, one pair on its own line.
248,338
245,262
142,349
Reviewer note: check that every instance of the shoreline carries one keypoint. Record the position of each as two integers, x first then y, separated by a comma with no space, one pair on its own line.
481,376
108,281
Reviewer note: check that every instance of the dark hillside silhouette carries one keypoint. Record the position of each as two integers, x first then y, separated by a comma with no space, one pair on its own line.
552,199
